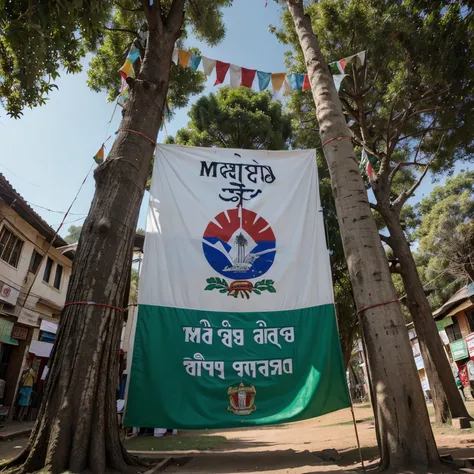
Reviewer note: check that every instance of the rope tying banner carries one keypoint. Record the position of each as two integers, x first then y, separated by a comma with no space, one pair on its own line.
336,138
138,133
377,305
91,303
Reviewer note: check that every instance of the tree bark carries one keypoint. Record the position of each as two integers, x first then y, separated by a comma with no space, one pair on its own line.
77,427
447,400
400,405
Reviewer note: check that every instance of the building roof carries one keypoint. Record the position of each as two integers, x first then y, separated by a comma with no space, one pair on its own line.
462,295
14,199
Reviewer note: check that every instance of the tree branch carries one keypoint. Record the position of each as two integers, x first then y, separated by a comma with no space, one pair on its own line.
405,195
174,20
140,9
385,239
122,30
153,15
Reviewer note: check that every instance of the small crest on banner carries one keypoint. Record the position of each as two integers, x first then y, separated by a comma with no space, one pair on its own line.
242,399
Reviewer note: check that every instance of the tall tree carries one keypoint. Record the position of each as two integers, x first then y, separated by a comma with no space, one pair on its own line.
408,107
236,118
73,234
446,233
76,429
37,39
400,404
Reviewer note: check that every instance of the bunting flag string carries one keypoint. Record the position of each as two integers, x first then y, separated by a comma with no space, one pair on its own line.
241,76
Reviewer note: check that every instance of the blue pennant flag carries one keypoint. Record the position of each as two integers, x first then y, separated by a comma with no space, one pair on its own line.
296,81
263,80
194,62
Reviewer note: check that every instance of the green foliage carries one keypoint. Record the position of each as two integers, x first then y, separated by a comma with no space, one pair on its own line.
216,283
264,285
236,118
446,236
205,20
74,232
414,79
40,38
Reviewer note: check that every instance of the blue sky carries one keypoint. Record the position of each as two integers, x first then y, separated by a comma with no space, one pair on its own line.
48,152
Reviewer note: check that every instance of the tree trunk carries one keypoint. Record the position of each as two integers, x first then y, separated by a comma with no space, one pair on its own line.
447,400
77,428
400,404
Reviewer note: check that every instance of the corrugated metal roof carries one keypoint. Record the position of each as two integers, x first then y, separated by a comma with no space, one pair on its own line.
463,294
16,201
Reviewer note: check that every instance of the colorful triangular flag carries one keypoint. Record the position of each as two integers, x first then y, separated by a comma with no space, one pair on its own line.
306,83
263,80
184,57
208,65
127,70
248,76
99,156
277,81
194,62
235,76
221,72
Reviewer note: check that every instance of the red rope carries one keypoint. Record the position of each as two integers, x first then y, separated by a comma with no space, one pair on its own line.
335,138
138,133
91,303
377,305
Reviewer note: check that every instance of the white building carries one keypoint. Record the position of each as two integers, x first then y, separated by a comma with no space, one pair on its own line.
34,276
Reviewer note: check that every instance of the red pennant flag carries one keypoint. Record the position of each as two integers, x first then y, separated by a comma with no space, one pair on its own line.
221,71
306,83
342,64
248,75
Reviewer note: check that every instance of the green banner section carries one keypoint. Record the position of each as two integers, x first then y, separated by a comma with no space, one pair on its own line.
199,369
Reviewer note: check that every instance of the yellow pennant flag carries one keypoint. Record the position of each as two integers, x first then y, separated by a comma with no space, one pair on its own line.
127,70
277,81
184,57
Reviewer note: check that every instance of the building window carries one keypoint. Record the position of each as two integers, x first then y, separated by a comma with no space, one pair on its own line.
35,262
57,277
454,331
10,247
47,270
470,319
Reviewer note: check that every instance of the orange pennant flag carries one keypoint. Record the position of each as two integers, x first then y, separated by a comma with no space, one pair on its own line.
277,81
184,57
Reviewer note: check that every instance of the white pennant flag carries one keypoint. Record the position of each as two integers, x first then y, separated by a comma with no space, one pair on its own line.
287,89
235,76
174,58
338,78
361,57
208,65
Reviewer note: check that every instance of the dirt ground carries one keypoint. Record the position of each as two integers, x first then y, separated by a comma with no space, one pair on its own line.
294,448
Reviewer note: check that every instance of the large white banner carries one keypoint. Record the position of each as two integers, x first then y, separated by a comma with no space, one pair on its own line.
236,215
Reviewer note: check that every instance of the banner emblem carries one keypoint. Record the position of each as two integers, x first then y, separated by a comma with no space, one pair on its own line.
242,399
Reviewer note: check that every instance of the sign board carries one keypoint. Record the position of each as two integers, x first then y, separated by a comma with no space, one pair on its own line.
8,293
459,349
444,337
41,349
28,317
19,332
236,324
419,362
49,326
470,344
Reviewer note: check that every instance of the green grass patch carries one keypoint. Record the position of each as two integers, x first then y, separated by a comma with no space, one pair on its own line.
175,443
368,405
